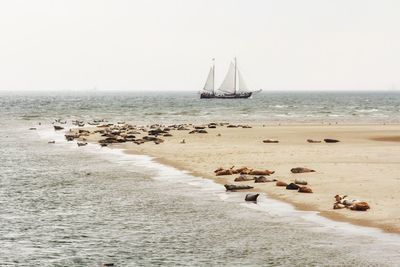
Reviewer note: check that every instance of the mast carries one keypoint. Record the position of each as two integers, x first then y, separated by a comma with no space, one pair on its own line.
235,76
213,91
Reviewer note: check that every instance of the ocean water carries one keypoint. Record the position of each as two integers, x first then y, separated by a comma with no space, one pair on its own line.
63,205
173,107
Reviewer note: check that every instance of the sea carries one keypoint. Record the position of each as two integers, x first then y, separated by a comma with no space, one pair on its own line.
64,205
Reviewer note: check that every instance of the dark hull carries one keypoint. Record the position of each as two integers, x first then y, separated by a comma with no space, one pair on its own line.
230,96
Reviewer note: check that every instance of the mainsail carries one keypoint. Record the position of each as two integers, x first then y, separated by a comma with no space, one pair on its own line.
228,85
209,86
233,82
242,85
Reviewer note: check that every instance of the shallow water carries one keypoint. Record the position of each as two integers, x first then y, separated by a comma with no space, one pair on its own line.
69,206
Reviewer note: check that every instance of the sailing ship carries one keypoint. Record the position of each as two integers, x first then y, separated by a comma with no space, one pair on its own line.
232,87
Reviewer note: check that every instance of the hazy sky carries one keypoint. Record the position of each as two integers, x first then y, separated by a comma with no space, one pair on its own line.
168,44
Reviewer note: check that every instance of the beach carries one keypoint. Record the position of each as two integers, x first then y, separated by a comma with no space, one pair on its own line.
364,165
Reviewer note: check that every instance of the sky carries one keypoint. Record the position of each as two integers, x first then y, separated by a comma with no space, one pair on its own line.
131,45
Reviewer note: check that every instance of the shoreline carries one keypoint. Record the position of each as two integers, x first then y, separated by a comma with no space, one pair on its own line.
298,206
191,161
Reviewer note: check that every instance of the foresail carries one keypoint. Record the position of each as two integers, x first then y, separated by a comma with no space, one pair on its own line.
209,86
242,85
228,85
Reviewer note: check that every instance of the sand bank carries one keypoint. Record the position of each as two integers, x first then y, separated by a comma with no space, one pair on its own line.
358,166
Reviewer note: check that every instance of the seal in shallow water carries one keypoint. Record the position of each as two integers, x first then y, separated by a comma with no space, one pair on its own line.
251,197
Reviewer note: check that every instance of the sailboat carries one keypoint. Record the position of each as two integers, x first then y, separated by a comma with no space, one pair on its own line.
232,87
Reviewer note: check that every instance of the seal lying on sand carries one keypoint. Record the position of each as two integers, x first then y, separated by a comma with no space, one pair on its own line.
243,170
361,206
224,172
280,183
232,187
329,140
305,189
243,178
353,204
259,172
263,179
301,170
251,197
313,141
300,181
271,141
292,186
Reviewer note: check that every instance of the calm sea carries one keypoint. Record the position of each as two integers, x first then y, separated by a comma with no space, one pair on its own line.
183,107
67,206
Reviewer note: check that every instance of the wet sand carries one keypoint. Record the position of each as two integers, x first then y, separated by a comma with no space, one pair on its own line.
387,139
360,165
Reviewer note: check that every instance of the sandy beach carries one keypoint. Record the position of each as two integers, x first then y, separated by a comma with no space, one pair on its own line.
364,165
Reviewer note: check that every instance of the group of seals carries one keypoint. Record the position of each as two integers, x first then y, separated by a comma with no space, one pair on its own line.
298,185
123,132
244,170
295,186
256,179
342,202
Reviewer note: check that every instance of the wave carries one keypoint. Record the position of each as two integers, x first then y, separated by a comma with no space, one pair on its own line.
366,110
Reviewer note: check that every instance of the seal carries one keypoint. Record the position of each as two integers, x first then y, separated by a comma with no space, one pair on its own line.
329,140
243,178
305,189
300,181
292,186
232,187
301,170
251,197
280,183
263,179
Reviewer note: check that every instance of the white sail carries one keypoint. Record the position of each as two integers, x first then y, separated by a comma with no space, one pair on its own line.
228,85
209,86
242,85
